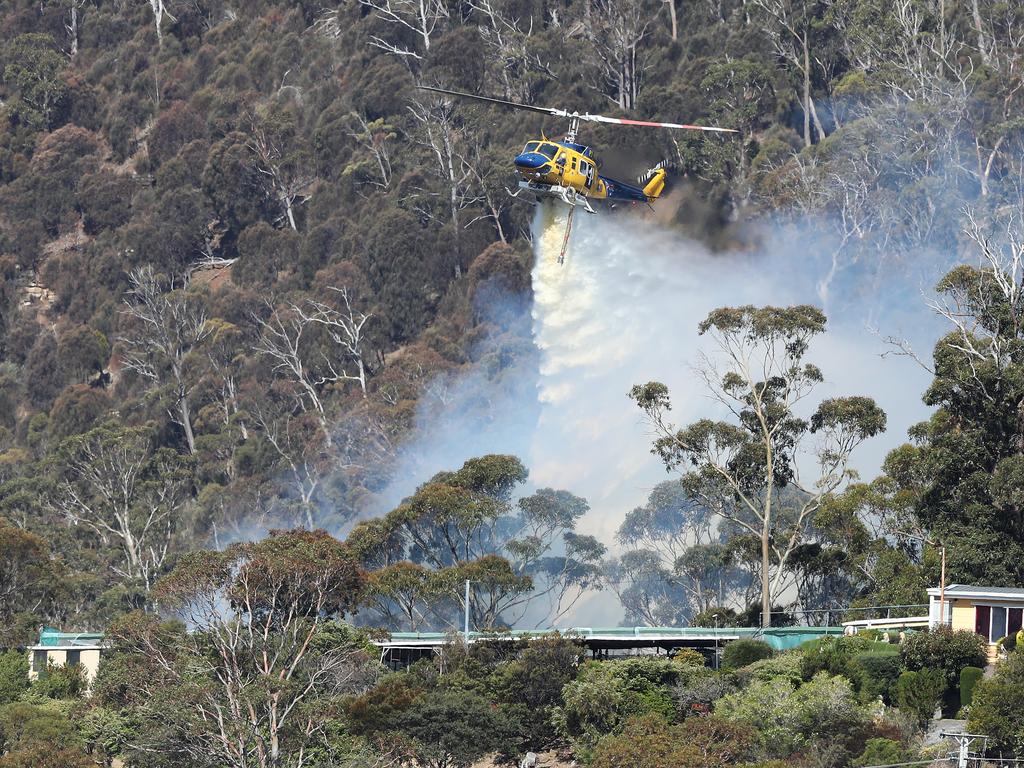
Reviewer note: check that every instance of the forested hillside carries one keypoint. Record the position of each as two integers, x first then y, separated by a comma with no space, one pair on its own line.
241,255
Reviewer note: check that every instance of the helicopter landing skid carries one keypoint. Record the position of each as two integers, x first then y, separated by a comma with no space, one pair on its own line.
567,195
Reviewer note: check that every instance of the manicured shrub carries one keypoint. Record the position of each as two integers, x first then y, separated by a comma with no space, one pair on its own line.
919,693
740,653
969,677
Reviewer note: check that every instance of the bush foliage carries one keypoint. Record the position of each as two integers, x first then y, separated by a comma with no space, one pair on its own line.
740,653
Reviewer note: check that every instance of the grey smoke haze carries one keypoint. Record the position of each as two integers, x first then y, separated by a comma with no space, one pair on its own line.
624,309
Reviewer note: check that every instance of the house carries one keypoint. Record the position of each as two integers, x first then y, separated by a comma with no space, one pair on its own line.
992,612
58,649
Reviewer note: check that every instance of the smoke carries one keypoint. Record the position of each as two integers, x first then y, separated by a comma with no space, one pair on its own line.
623,309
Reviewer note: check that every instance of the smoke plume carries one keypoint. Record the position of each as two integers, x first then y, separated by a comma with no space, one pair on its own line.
623,309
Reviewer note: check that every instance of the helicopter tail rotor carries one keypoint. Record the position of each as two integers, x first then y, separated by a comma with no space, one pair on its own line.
653,181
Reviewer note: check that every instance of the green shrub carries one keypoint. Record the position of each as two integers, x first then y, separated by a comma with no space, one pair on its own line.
874,673
969,677
945,650
820,712
701,690
60,682
919,693
700,742
785,665
882,752
605,695
832,654
740,653
689,657
13,676
997,706
715,617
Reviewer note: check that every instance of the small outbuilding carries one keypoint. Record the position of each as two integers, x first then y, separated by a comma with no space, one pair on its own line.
58,649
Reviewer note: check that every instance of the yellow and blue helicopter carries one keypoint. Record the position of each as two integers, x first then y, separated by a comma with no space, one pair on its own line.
569,171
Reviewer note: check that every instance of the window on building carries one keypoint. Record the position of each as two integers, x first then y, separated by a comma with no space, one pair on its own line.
1014,620
39,662
982,618
998,628
997,621
74,658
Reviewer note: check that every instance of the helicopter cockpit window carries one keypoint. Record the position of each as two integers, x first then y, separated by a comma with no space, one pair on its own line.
548,150
531,147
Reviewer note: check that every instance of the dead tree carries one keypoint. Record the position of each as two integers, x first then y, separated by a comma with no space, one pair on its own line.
159,8
507,41
443,137
301,453
114,484
419,17
619,28
286,339
284,168
281,340
167,327
347,329
788,28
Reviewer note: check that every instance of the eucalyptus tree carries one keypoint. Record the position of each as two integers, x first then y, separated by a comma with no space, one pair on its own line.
254,675
521,557
130,494
674,564
736,467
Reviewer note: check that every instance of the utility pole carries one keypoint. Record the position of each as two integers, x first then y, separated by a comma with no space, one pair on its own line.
964,741
942,586
465,626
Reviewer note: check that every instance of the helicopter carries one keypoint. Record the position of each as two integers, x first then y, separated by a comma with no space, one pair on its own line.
569,171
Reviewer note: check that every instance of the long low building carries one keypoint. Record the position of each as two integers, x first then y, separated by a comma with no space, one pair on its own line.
400,649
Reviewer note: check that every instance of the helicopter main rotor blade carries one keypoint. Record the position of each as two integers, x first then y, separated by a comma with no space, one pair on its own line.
649,124
566,113
490,100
